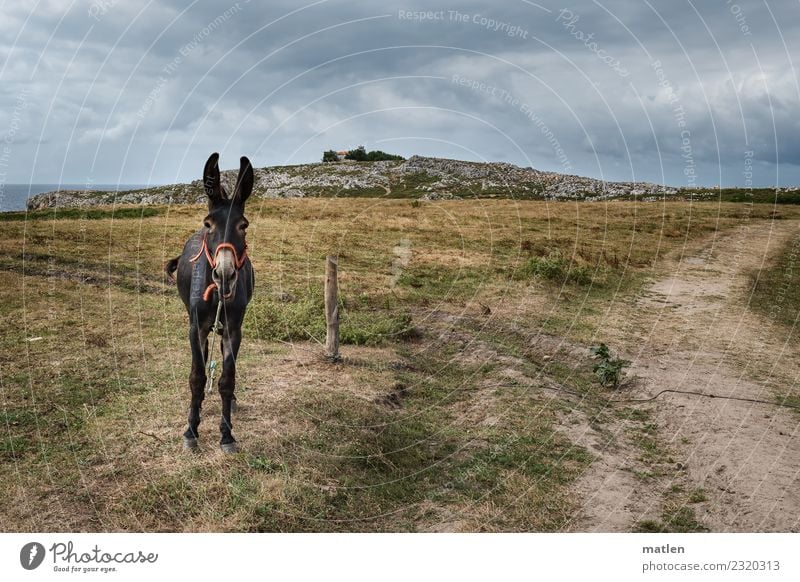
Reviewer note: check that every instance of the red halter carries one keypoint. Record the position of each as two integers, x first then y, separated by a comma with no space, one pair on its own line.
212,261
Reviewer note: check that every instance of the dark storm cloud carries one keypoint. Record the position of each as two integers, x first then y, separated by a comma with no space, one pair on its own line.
656,90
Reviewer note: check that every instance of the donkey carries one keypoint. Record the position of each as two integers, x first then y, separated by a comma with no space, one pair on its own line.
214,267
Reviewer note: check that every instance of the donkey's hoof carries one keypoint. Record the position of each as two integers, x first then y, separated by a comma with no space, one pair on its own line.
189,444
229,447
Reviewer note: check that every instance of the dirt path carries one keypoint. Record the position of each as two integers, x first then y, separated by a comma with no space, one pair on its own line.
691,330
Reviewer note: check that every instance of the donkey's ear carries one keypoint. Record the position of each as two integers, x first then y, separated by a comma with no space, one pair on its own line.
211,180
244,183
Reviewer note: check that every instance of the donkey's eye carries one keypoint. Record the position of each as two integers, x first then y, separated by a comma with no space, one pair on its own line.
207,224
243,226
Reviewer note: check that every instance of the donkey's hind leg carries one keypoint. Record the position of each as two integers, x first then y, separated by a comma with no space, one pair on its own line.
227,384
197,384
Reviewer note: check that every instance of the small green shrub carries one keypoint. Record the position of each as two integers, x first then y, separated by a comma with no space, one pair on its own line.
555,267
698,496
608,370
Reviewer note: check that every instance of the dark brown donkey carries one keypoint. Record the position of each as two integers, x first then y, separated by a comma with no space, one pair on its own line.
214,267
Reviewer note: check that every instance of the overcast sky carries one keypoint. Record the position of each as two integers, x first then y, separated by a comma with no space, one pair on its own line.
668,91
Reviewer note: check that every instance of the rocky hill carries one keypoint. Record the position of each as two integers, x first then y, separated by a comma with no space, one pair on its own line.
418,177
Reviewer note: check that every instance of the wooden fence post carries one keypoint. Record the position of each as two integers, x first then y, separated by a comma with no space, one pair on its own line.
332,309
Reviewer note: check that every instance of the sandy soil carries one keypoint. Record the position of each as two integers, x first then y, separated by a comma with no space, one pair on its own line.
691,329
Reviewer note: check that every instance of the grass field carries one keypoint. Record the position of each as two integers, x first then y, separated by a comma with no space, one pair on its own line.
457,317
775,287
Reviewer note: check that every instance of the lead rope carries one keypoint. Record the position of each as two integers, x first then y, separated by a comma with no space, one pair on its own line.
212,364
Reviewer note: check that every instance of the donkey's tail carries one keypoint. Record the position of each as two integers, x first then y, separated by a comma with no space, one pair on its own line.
170,267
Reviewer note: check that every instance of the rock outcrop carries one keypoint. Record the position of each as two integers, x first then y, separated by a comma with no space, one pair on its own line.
420,177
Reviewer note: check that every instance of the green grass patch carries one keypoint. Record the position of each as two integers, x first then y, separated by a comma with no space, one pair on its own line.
358,462
89,213
774,288
168,501
753,195
14,447
544,456
646,439
698,496
302,317
678,519
427,283
263,464
791,400
634,414
557,268
329,192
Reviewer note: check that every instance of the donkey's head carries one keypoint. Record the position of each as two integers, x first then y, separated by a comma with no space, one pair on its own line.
226,224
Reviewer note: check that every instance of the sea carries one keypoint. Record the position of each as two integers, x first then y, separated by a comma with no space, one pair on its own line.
14,196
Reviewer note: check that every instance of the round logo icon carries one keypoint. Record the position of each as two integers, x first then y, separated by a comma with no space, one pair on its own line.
31,555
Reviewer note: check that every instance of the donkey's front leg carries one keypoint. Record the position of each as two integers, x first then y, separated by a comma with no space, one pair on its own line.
227,384
198,339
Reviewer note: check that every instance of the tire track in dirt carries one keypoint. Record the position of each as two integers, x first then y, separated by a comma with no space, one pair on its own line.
692,330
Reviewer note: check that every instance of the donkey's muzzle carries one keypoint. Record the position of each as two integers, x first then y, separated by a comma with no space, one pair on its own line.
226,284
225,273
